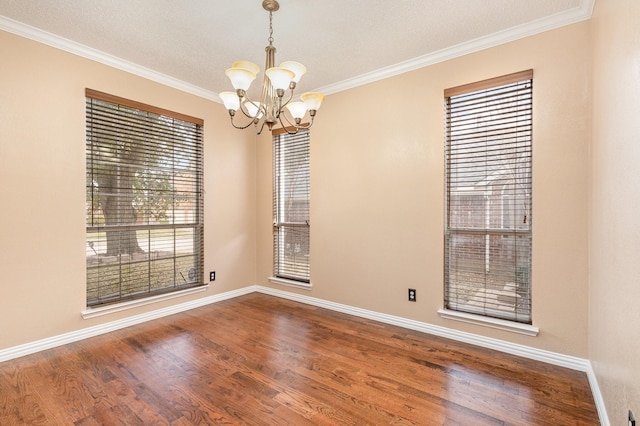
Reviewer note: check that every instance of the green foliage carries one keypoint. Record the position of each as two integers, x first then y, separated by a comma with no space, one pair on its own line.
134,172
128,280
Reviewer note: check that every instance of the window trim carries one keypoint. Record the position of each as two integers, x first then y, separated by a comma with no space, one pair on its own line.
489,83
279,276
497,323
102,307
291,283
101,96
102,310
487,317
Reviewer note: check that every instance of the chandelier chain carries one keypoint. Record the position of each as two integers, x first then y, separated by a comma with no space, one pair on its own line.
270,28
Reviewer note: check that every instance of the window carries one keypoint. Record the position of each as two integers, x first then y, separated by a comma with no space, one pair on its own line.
144,200
488,197
291,206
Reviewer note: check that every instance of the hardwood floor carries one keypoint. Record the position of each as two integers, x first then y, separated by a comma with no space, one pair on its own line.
260,360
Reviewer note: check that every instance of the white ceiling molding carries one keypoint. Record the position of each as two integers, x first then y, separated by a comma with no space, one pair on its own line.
568,17
35,34
502,37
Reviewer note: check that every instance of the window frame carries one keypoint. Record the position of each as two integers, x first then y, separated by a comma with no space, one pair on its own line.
488,313
291,270
157,135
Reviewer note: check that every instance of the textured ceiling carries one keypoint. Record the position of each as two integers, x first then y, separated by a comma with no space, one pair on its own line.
340,41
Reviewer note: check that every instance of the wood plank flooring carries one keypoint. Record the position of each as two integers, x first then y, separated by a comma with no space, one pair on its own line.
261,360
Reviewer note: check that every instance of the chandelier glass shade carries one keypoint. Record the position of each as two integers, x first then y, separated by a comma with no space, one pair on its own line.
277,91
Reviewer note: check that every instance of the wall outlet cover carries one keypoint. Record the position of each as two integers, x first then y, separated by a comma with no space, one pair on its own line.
412,295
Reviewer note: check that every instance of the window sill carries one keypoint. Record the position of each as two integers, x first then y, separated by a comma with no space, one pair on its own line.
290,283
499,324
117,307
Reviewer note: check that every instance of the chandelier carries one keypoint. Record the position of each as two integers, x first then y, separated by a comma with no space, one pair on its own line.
270,109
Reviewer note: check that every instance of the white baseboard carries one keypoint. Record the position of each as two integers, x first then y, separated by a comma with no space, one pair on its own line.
549,357
74,336
474,339
597,396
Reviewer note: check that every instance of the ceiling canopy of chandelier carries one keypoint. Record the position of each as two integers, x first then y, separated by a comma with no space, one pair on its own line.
277,80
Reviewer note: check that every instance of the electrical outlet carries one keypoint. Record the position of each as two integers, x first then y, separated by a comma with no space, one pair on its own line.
412,295
632,420
212,276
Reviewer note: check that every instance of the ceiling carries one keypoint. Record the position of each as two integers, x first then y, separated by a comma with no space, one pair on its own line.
188,44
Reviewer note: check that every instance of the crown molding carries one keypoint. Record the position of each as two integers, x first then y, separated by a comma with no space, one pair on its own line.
581,13
44,37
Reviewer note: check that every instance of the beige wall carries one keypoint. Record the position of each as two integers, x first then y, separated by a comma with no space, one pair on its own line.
376,188
614,322
42,196
377,192
377,184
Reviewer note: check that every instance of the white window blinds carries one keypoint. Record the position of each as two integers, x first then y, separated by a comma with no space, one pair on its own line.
291,205
488,197
144,208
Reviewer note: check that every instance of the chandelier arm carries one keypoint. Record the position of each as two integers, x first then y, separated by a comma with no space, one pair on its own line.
297,127
261,126
241,127
244,109
245,113
305,127
310,122
284,104
280,107
290,124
